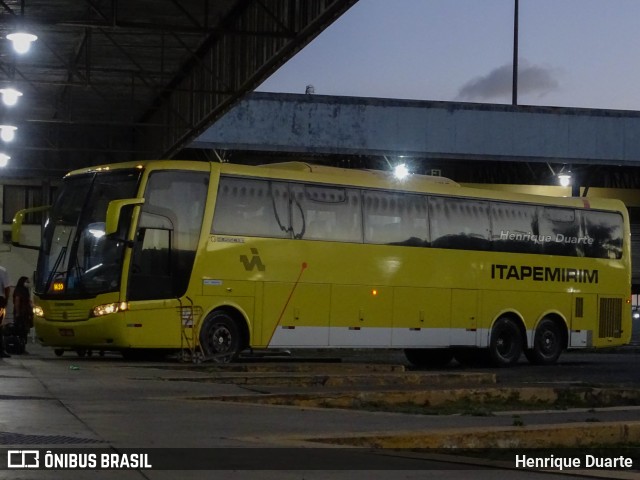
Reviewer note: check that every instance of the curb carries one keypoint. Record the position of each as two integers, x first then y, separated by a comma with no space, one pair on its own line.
537,436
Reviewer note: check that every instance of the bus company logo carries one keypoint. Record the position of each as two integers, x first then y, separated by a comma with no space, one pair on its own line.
23,459
543,274
254,262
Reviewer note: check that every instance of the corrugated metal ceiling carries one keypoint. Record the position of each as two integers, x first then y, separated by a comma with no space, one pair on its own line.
114,80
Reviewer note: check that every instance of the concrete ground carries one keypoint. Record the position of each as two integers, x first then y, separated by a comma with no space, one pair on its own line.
78,404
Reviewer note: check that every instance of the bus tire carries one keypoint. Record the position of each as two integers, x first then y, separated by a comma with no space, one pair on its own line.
58,351
428,357
220,337
505,346
548,343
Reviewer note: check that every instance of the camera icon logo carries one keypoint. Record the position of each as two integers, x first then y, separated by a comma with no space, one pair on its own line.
23,459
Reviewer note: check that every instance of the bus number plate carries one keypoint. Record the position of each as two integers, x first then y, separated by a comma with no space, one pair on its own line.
66,332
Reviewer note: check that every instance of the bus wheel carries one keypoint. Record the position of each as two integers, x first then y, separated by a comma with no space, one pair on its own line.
220,337
82,352
505,346
547,343
58,351
428,357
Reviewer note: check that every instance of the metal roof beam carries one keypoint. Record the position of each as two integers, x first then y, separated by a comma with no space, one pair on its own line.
113,80
236,63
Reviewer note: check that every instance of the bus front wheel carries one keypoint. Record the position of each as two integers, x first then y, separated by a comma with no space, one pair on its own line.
220,337
505,346
547,343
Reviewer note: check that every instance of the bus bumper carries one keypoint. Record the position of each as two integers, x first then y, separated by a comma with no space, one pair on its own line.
99,332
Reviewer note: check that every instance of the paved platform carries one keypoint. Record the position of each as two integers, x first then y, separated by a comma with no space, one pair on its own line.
49,402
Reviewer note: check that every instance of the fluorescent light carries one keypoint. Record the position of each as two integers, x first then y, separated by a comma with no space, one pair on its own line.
22,41
10,96
7,132
4,160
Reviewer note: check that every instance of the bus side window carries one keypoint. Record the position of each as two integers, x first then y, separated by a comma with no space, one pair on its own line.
560,226
168,234
395,218
321,212
251,207
604,232
152,269
459,223
514,228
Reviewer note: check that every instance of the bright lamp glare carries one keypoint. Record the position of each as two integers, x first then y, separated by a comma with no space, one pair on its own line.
10,96
96,233
401,171
565,179
7,132
22,41
4,160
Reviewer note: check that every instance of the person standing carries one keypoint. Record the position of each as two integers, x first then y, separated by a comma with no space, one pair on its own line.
4,298
22,309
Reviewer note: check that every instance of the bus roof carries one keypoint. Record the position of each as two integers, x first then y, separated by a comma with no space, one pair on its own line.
352,173
302,171
143,164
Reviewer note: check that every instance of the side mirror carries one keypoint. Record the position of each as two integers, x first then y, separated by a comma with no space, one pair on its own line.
16,227
113,213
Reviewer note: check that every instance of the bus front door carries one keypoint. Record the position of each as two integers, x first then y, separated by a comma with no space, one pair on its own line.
152,321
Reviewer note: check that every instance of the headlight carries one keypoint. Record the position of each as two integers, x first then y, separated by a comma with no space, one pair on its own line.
636,315
37,311
108,308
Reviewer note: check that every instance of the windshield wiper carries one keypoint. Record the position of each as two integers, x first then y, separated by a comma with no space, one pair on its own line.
54,270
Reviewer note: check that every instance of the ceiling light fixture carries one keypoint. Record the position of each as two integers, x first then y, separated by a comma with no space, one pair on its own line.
4,159
22,41
564,178
10,96
401,171
7,132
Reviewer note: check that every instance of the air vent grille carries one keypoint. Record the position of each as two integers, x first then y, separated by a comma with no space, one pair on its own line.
610,318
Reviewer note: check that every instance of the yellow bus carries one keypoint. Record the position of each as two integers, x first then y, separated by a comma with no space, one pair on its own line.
219,258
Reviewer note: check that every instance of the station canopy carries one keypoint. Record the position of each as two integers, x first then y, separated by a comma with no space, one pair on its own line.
118,80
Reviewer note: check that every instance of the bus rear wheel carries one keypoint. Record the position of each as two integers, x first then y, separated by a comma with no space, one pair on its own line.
220,338
505,346
547,343
428,357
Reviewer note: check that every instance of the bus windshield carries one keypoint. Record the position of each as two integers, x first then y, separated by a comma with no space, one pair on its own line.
77,259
